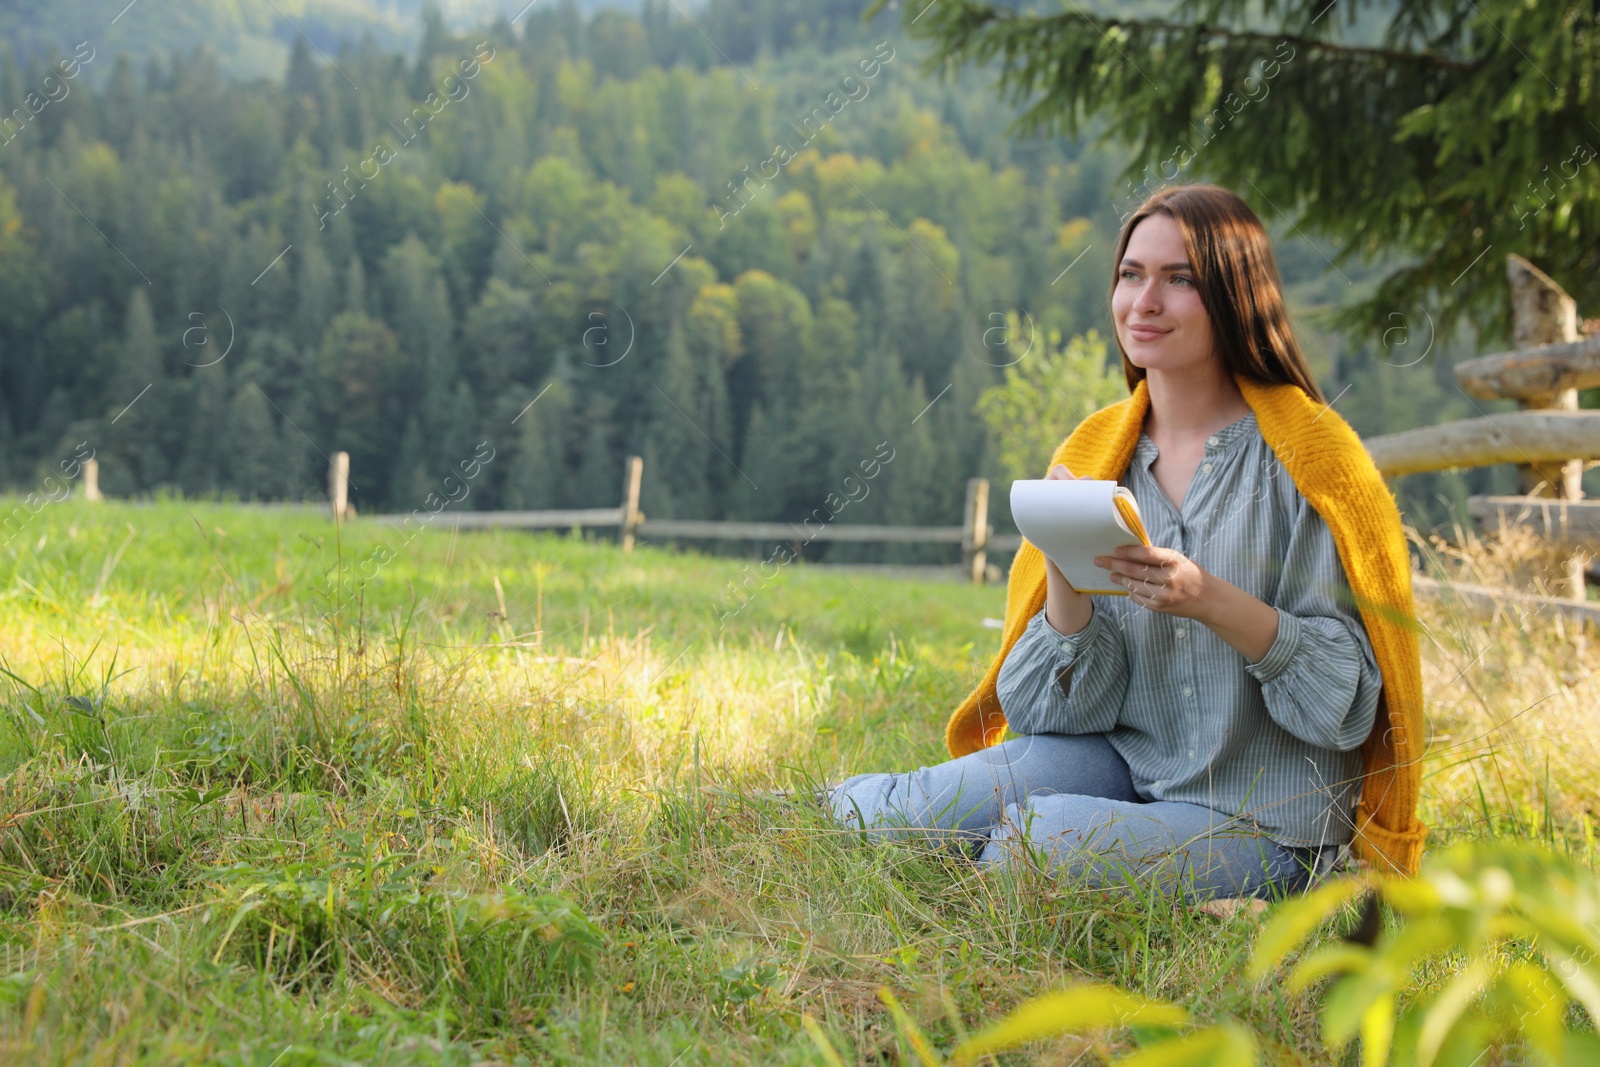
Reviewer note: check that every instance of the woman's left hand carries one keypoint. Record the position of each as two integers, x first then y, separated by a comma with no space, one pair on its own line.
1161,579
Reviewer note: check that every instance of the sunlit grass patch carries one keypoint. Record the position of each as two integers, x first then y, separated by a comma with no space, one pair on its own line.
247,812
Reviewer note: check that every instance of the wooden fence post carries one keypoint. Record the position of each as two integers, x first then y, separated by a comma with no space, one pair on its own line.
975,531
91,481
1542,313
632,474
339,485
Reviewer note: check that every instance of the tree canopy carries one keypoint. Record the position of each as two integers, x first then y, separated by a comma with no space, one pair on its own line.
1444,133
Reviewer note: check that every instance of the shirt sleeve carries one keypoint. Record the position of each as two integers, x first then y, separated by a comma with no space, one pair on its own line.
1320,680
1051,683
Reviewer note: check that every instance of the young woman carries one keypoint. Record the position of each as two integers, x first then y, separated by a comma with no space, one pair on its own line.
1252,705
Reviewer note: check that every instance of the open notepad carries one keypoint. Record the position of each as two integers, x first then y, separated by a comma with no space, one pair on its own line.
1072,522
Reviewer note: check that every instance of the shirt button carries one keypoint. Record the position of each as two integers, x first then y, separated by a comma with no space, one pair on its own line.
1212,441
1206,467
1188,690
1181,632
1191,753
1066,646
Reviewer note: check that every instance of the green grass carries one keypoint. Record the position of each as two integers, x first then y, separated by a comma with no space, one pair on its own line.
489,804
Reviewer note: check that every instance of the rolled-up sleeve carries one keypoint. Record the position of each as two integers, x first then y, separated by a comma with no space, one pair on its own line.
1051,683
1320,680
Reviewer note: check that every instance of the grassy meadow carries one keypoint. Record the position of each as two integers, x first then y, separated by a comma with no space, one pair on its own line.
275,792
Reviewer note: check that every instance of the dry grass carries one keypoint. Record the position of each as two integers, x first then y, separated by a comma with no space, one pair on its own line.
1511,701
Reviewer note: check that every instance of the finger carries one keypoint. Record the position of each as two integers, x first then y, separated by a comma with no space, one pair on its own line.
1139,572
1119,567
1138,586
1131,568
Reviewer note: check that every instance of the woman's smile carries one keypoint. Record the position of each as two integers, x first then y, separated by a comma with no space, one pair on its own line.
1141,332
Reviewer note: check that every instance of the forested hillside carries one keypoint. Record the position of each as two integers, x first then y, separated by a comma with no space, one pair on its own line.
751,272
253,37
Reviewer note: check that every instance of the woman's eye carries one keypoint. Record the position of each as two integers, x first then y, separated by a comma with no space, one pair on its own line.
1128,274
1181,278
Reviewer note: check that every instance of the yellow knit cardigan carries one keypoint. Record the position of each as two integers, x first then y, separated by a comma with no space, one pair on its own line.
1332,470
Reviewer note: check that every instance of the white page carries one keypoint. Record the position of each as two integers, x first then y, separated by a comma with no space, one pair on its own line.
1072,522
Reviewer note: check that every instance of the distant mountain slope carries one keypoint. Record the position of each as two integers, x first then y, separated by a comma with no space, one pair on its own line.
251,37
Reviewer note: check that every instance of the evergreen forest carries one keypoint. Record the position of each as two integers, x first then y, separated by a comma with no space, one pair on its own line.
757,264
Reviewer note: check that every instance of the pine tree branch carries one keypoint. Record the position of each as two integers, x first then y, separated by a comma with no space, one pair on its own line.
1045,28
1443,144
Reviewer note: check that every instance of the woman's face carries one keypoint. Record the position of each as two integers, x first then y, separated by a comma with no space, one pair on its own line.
1160,320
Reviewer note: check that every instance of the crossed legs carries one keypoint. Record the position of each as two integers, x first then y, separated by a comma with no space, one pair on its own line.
1069,800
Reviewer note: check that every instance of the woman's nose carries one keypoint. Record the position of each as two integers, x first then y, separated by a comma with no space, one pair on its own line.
1147,298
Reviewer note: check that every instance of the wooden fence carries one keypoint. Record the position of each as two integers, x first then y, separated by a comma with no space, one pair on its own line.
1549,440
974,535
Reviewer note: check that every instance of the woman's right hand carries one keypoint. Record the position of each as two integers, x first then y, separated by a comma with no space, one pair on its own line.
1066,609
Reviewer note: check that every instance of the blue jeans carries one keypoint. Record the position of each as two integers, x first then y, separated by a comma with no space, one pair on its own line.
1069,800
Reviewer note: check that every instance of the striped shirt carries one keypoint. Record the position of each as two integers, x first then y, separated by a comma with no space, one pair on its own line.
1275,741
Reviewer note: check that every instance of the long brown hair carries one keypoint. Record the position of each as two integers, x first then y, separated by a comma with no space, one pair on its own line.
1237,276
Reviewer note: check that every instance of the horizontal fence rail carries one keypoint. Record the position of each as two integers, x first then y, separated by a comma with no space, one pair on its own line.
1525,437
526,520
593,518
1485,602
1532,372
788,531
709,529
1563,522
